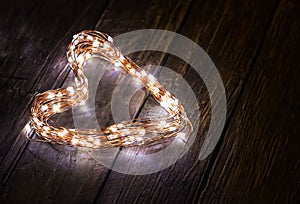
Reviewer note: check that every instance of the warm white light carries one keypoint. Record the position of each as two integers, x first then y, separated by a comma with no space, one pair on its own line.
27,128
63,133
74,141
151,79
143,73
80,58
59,94
89,37
70,89
120,125
117,64
90,139
142,132
85,45
88,55
122,58
44,107
56,107
131,71
109,39
75,36
46,128
172,128
124,132
96,43
37,122
155,90
113,128
50,96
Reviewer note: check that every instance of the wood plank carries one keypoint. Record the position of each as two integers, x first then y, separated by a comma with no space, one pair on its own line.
231,33
29,47
50,167
259,159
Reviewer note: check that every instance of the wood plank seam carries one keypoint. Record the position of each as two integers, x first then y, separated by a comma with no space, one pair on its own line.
123,193
12,166
216,151
6,176
165,57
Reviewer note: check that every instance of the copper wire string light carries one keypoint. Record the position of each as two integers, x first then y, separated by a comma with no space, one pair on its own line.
128,133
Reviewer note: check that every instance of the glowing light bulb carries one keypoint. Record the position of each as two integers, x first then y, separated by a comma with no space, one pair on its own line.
56,107
96,43
44,107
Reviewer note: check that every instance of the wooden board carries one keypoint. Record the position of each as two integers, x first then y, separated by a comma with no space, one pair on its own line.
259,159
217,33
34,38
82,186
254,46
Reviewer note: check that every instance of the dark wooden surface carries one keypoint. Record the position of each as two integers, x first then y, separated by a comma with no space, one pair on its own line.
255,46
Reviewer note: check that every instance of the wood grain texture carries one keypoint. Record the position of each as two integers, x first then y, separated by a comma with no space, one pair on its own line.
34,37
220,25
44,161
255,48
259,159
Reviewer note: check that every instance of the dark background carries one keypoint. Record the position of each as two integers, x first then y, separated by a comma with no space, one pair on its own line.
255,46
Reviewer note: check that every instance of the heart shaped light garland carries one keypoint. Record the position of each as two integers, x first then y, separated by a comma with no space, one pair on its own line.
128,133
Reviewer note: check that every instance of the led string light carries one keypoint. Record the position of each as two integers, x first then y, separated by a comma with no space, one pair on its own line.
128,133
